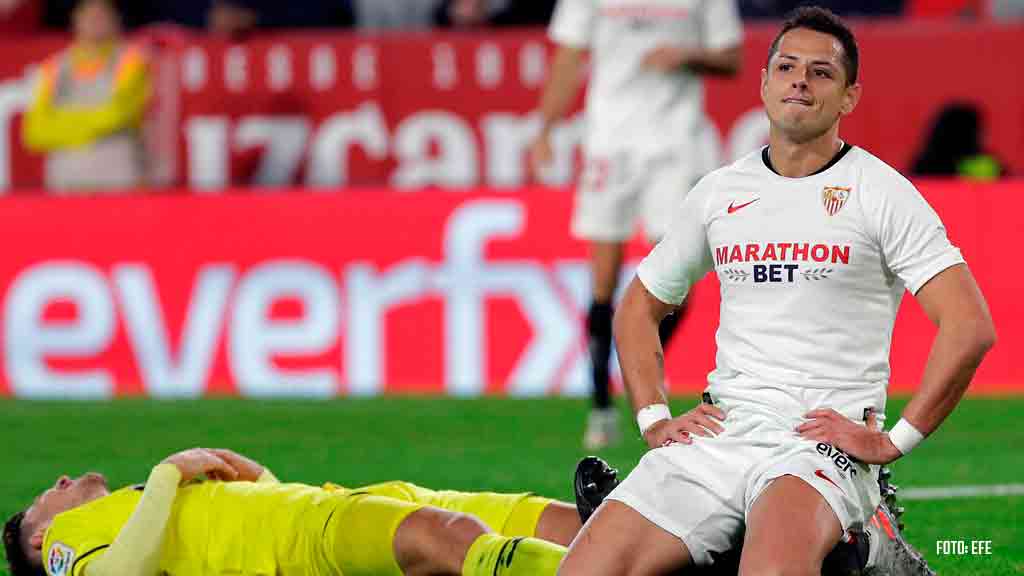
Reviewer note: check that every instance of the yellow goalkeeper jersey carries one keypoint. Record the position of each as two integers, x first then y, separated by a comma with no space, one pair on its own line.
254,528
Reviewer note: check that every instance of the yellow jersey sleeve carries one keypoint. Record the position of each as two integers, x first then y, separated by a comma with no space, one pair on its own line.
47,127
118,534
136,549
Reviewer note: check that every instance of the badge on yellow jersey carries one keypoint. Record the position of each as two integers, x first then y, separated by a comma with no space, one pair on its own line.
59,559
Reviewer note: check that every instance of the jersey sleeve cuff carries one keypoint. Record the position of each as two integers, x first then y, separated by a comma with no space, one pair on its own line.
950,258
657,290
163,474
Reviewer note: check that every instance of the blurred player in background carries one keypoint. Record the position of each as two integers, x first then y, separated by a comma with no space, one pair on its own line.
246,522
88,105
814,242
644,110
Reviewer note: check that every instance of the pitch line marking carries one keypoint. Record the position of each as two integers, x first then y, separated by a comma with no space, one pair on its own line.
952,492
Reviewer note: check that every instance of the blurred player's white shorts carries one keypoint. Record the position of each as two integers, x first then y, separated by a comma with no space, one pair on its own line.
702,492
618,189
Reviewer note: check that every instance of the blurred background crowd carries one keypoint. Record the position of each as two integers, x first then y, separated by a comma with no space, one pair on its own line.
231,15
121,95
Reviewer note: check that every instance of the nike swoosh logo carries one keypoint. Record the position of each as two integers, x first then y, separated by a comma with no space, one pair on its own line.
821,475
733,208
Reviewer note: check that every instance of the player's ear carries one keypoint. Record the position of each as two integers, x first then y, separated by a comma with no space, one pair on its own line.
35,541
851,97
764,84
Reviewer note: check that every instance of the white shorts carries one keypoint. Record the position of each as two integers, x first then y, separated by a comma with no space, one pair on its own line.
702,492
617,189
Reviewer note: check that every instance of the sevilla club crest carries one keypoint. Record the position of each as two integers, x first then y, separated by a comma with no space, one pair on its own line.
834,198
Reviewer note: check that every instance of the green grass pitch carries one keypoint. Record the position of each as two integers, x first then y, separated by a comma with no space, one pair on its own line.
479,444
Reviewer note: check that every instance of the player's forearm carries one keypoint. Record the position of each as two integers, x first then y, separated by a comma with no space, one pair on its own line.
956,352
641,357
563,82
725,62
136,550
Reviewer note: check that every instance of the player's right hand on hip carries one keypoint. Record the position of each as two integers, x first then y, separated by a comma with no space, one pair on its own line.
703,420
199,461
539,157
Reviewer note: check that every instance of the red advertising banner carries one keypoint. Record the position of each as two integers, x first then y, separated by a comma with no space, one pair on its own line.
371,292
454,110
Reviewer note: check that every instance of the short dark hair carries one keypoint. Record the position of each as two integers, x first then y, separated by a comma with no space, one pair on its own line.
17,560
823,20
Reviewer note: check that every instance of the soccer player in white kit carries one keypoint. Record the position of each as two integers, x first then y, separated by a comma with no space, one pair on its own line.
814,242
643,114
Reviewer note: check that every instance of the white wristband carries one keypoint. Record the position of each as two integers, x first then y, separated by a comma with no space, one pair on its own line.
904,436
650,415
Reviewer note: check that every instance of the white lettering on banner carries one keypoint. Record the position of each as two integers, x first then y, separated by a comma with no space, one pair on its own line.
555,327
208,153
364,67
323,68
489,65
30,340
193,69
363,127
255,338
369,297
162,375
533,64
279,67
455,165
14,96
236,68
552,299
507,139
466,280
284,138
446,73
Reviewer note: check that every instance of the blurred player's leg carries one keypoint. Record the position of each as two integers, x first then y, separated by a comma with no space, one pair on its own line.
602,424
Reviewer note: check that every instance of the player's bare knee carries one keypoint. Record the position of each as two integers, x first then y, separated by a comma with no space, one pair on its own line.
558,523
788,568
435,541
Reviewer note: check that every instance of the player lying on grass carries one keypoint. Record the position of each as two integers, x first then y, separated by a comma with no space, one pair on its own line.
243,521
254,525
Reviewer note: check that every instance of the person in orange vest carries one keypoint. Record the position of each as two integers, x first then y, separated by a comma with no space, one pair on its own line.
88,106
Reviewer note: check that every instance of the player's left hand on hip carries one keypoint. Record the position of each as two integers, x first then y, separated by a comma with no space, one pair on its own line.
666,58
865,443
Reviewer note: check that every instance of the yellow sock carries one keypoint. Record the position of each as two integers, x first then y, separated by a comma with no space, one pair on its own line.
495,555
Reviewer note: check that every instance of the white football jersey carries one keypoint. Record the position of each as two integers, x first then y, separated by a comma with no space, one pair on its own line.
629,107
812,270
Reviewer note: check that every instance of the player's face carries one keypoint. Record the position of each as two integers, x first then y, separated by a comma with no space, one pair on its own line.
95,22
804,88
66,494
